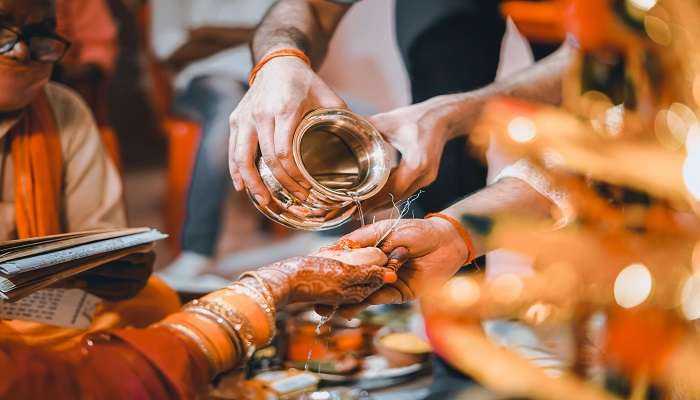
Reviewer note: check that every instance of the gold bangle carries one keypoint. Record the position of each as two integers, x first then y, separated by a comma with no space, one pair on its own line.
184,330
238,321
227,362
267,291
269,310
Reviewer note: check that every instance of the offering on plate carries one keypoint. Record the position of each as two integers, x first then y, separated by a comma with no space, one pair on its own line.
402,349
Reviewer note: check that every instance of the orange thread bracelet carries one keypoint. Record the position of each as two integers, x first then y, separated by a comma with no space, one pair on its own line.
462,233
287,52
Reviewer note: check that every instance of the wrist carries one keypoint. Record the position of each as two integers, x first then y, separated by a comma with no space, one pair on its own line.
279,283
285,52
459,111
463,238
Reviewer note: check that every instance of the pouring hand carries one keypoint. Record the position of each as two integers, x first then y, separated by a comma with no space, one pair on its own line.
284,90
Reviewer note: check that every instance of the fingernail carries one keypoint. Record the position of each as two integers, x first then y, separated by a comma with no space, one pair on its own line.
390,277
260,199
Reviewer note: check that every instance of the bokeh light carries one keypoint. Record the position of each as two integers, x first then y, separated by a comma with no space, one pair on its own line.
521,129
696,89
690,297
657,30
691,174
463,291
614,117
632,285
692,141
695,260
506,288
644,5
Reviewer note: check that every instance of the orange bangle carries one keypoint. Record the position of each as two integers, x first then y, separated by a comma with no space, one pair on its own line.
287,52
462,233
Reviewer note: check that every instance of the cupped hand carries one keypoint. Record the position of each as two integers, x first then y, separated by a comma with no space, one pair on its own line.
436,251
284,90
323,280
419,132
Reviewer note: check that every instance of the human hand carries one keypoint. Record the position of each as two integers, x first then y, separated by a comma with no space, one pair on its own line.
436,251
323,280
284,90
117,280
419,132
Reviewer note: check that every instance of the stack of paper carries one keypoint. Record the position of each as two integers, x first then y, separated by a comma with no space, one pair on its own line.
32,264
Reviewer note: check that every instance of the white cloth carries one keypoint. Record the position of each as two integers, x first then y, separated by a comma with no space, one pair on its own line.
173,19
92,188
530,174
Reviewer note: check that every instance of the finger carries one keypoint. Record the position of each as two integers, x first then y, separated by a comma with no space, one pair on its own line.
369,235
327,98
398,257
387,295
382,123
285,127
266,136
246,149
390,277
232,167
361,256
369,275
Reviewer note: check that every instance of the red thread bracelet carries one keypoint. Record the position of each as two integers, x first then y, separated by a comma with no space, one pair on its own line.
462,233
286,52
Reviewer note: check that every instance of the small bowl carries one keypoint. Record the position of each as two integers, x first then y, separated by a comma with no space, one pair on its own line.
402,349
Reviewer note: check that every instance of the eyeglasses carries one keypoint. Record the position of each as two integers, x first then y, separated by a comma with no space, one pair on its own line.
43,47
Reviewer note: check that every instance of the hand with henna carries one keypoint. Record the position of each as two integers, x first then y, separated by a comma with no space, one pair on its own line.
326,280
428,251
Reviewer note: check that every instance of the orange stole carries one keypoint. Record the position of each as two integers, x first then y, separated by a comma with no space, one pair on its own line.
36,156
36,153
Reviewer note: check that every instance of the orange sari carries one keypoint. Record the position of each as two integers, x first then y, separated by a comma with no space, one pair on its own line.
42,361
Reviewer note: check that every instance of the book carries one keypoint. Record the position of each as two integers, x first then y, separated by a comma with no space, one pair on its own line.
27,266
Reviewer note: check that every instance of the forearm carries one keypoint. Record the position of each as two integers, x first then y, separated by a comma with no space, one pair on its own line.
541,82
507,196
207,41
307,25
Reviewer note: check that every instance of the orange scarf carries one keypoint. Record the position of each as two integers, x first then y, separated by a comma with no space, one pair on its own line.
36,154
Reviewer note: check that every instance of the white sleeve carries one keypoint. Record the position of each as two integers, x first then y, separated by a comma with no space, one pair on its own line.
530,174
92,187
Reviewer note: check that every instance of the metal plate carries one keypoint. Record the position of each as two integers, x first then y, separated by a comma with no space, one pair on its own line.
375,373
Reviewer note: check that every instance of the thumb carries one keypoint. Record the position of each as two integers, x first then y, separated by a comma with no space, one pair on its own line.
369,235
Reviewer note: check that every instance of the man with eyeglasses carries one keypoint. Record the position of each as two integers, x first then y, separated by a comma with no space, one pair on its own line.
55,175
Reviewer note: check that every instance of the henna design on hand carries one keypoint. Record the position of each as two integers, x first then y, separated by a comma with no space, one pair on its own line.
322,280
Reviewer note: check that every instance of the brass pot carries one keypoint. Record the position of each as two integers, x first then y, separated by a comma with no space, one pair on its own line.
345,160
